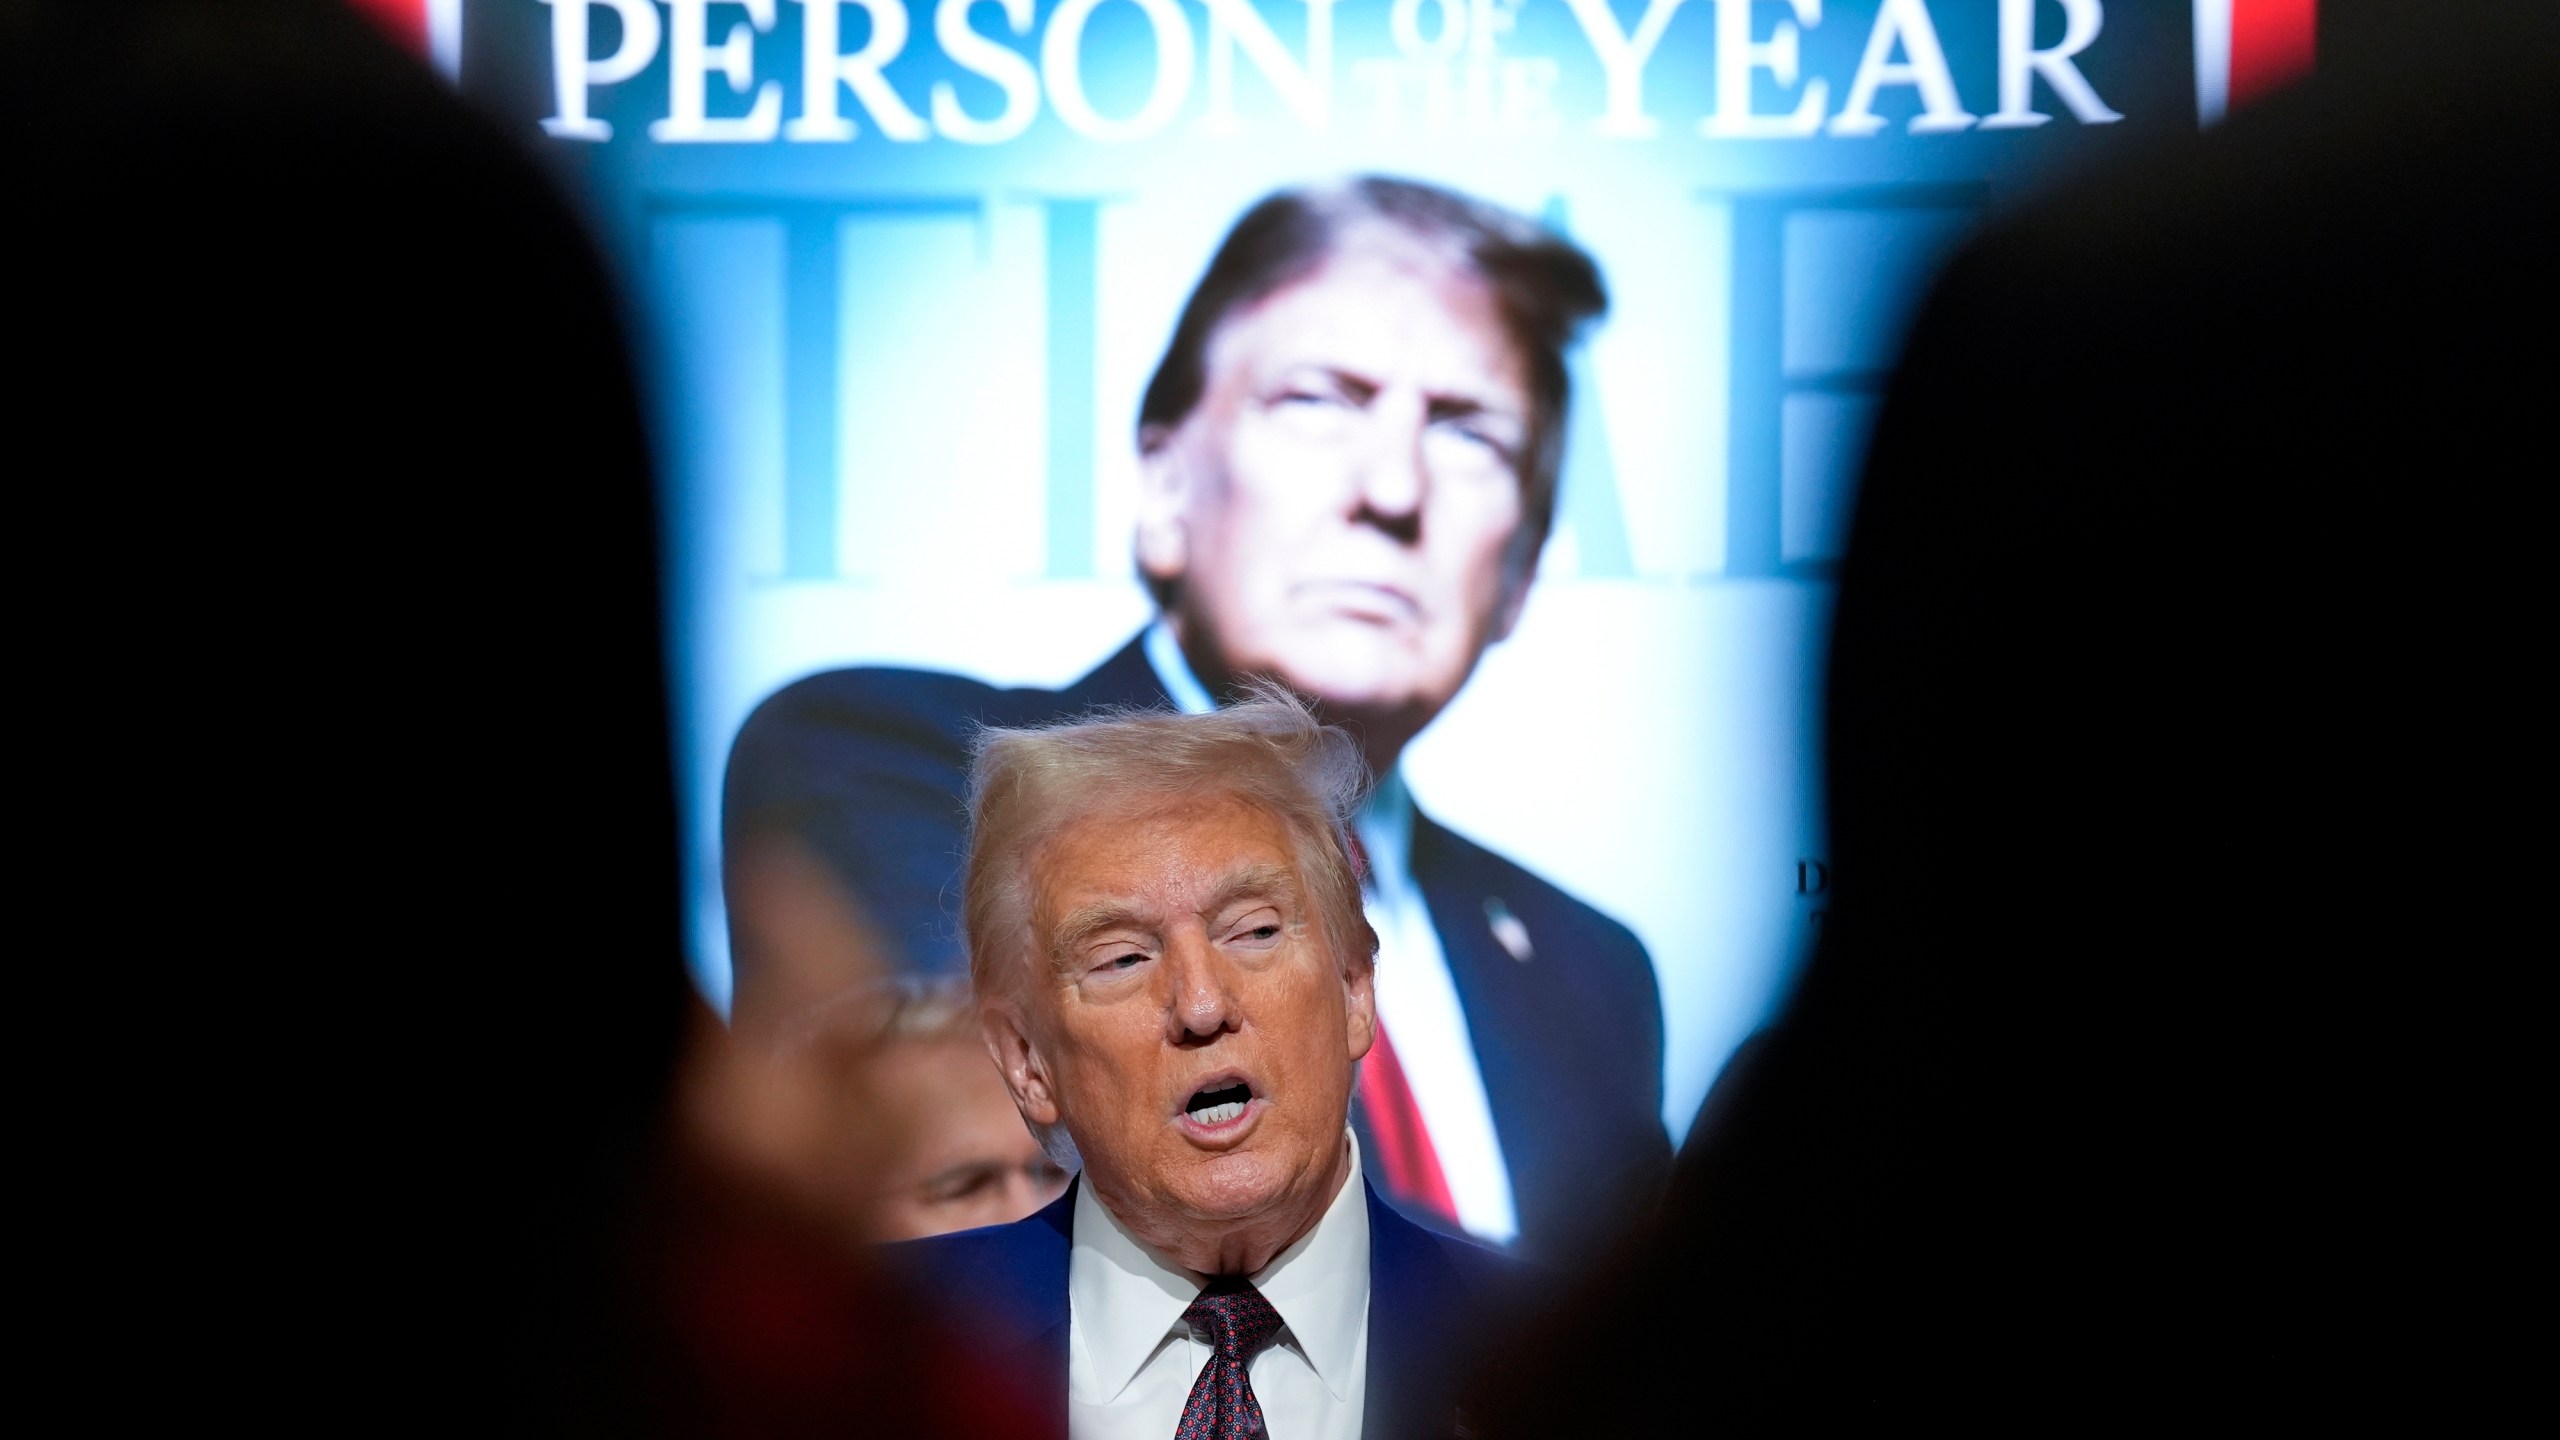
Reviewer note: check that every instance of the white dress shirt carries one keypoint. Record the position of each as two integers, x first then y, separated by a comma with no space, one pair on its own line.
1131,1358
1417,997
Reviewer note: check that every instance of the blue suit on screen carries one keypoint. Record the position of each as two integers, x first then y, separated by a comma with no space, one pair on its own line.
866,769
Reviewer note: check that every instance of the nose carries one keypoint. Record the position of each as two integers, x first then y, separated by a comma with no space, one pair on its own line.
1200,1004
1394,477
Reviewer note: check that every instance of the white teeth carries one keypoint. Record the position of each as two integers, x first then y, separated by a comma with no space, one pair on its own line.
1219,1114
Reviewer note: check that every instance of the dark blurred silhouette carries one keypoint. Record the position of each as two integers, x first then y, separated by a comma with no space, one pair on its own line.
2165,1053
353,796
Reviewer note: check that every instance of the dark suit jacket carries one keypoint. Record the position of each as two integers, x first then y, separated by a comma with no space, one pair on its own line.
1430,1298
866,768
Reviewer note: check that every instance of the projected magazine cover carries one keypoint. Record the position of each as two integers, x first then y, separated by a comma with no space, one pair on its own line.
1494,373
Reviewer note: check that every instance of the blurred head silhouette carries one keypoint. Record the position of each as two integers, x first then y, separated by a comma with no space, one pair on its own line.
2151,1057
393,720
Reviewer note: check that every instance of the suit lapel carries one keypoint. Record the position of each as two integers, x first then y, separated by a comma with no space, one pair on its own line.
1500,995
1044,1357
1031,1281
1414,1294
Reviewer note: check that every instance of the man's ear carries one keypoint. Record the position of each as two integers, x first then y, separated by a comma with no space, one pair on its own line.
1025,1073
1164,505
1360,983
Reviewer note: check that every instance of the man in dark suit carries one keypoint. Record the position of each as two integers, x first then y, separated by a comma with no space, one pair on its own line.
1350,453
1174,976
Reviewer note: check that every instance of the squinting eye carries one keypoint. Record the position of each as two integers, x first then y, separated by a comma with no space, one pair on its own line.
1123,962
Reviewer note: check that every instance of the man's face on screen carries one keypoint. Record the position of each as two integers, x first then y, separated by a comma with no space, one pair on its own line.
1342,509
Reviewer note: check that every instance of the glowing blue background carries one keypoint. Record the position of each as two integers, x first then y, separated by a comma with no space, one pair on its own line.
898,383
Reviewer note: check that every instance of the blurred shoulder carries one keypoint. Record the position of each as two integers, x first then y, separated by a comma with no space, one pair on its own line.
934,707
841,722
882,695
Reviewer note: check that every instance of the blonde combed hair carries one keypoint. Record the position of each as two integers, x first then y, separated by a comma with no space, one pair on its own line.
1269,750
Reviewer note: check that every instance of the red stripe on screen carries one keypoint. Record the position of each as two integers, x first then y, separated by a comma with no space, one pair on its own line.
2271,45
406,20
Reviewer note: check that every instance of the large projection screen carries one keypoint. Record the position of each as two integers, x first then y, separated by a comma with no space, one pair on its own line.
901,273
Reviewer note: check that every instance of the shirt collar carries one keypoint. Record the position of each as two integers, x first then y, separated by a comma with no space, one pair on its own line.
1173,670
1320,1285
1122,1300
1386,832
1126,1301
1385,823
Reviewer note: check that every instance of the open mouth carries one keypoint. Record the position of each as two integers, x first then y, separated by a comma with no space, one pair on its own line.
1218,1105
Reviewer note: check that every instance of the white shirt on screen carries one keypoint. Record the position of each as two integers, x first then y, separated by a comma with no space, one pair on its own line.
1132,1360
1417,997
1418,1003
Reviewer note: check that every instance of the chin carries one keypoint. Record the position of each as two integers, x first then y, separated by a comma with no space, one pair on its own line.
1234,1186
1355,668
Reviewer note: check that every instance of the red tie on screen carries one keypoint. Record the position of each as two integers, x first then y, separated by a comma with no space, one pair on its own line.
2272,45
1405,1157
405,19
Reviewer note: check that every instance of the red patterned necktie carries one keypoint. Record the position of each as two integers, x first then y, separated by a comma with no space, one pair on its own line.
1238,1322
